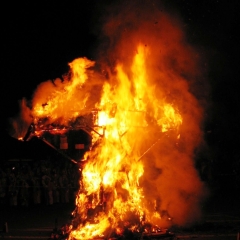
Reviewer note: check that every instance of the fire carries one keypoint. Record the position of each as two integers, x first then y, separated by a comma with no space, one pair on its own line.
90,230
111,175
144,122
171,119
51,101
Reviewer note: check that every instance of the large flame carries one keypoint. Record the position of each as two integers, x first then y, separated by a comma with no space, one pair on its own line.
55,102
146,125
127,111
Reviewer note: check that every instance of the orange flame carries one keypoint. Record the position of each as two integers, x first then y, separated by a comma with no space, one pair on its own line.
146,127
114,166
60,101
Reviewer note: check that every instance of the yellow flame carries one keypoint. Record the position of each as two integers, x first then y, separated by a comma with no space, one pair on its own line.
61,99
90,231
171,119
113,167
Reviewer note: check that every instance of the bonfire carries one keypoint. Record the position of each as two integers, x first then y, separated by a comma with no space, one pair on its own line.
138,176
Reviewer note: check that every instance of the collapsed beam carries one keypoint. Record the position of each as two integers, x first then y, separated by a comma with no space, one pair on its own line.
64,155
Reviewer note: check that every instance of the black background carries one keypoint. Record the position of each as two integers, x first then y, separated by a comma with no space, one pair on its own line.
39,38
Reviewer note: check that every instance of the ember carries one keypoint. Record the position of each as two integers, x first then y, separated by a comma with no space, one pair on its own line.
145,124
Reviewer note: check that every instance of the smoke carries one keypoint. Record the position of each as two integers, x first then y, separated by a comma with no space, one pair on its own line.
173,67
170,182
19,123
62,100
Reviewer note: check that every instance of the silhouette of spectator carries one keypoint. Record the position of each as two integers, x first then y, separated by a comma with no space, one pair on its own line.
45,183
3,186
13,190
64,187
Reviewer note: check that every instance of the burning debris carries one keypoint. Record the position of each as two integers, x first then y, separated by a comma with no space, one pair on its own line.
144,124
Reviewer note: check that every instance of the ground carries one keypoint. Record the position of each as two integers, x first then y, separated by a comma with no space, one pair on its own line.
38,222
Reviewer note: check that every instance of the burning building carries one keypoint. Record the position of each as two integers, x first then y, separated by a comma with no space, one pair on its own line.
137,105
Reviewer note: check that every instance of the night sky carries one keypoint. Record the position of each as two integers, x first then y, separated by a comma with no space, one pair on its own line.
38,40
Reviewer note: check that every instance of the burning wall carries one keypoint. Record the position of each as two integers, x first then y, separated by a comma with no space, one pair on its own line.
149,120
